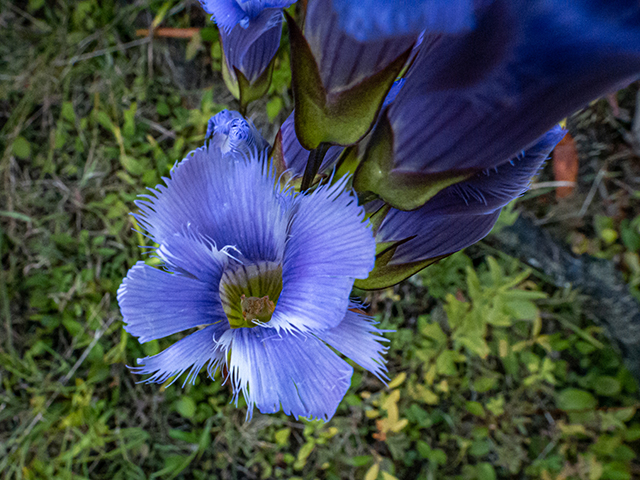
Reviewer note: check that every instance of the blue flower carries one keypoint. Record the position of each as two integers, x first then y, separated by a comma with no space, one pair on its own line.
229,13
260,277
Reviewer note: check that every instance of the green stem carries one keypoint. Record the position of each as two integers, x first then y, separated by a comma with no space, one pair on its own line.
313,164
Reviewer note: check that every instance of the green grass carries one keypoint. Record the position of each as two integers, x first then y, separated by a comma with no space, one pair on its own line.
493,375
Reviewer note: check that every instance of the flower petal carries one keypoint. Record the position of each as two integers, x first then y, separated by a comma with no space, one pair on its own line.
228,199
343,60
357,338
187,355
375,19
494,188
251,49
296,156
435,235
299,374
328,246
156,303
226,13
475,100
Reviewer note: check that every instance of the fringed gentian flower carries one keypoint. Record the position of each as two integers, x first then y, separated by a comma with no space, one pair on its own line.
260,277
473,100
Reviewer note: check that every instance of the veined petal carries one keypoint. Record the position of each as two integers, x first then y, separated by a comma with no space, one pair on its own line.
299,374
296,156
155,303
230,200
435,235
250,49
187,355
375,19
494,188
357,338
343,60
475,100
328,246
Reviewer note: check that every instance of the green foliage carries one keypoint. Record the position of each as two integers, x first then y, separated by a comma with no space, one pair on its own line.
493,376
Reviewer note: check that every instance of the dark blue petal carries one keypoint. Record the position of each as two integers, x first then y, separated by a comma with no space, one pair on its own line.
228,199
188,355
251,49
299,374
375,19
343,60
155,303
328,247
296,156
494,188
435,235
357,338
475,100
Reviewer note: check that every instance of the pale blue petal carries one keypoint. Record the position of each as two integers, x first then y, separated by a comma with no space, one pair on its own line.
328,246
187,355
357,338
298,374
225,198
156,303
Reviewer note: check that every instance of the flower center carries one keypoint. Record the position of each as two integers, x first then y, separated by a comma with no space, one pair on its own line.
249,293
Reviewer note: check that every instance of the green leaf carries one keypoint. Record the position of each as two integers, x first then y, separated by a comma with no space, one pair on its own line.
21,148
607,386
485,471
475,408
573,399
445,363
186,407
342,117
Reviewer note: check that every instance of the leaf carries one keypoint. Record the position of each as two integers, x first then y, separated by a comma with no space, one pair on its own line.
397,381
475,408
372,473
565,165
573,399
186,407
607,386
21,148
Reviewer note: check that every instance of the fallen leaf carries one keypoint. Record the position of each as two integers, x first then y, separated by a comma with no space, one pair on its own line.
565,165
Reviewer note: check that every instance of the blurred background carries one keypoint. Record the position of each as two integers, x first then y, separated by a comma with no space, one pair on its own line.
517,358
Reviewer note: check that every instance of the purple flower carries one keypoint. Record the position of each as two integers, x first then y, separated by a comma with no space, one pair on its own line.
229,13
260,279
